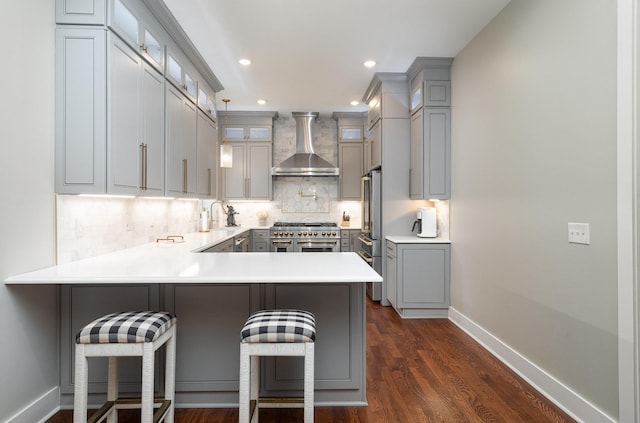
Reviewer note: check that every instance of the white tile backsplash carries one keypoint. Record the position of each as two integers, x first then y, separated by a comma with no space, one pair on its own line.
89,226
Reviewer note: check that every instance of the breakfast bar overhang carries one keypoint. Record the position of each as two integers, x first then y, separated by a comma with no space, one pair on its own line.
212,295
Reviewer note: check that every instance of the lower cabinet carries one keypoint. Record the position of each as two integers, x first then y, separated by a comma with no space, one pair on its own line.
260,240
210,317
418,278
209,321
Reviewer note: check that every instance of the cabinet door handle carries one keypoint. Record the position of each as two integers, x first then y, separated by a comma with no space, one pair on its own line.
146,167
209,180
184,176
143,166
143,47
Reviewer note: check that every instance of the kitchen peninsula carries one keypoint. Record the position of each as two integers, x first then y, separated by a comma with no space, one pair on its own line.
212,294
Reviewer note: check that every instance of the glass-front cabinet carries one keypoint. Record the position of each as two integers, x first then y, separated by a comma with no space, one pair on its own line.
138,29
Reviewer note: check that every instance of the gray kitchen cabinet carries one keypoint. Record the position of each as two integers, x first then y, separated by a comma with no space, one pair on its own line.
430,174
391,278
88,12
350,153
387,98
418,278
260,240
181,142
249,177
349,240
385,139
339,345
80,112
430,102
350,163
207,149
180,73
210,318
207,101
242,242
247,132
137,27
79,305
136,123
221,247
375,145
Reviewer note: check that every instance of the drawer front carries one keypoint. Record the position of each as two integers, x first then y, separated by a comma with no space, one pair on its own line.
391,248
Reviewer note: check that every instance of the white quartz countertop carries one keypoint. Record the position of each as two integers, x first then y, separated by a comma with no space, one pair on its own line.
180,262
414,239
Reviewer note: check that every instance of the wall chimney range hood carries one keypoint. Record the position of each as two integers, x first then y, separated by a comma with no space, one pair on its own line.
305,162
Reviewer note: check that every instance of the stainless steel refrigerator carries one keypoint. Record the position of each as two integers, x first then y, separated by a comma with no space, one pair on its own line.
371,231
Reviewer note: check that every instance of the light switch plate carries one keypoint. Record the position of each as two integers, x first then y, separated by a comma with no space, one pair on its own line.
579,233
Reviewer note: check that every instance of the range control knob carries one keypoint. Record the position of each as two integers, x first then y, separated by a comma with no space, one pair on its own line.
324,234
315,234
290,233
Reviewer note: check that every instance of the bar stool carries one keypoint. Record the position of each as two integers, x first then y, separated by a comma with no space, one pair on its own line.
275,333
127,334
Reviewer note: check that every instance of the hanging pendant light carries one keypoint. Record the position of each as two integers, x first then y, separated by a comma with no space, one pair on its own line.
226,151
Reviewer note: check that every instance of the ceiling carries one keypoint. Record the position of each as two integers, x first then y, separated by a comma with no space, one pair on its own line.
308,55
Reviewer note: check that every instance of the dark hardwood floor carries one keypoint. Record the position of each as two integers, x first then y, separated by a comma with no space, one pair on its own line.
418,371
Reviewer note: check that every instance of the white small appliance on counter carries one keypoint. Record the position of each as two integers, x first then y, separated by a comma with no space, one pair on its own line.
427,222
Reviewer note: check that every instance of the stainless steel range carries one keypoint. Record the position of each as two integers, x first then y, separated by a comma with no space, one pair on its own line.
304,237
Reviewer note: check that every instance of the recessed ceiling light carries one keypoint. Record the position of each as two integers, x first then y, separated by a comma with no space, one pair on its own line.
244,62
262,101
370,63
355,102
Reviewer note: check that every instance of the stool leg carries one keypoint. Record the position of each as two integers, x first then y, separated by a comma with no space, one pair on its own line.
245,376
80,386
112,388
146,412
170,376
255,386
308,382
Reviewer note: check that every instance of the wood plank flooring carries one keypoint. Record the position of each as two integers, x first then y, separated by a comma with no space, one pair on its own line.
418,371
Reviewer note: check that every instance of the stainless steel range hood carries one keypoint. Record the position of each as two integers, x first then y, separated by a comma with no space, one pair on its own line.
305,162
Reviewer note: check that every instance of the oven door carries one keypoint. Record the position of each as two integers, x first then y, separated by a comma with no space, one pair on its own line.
281,245
317,245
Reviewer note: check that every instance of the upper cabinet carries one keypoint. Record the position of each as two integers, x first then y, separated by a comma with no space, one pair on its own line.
350,153
180,74
250,134
136,26
430,102
80,112
387,97
87,12
115,130
136,123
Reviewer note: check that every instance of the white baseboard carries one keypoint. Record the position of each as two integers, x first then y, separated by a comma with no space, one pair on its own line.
569,401
40,410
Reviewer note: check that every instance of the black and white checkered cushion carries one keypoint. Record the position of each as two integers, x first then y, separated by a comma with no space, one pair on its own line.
126,327
279,326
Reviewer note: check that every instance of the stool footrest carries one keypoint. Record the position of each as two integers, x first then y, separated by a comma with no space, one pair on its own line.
126,403
281,402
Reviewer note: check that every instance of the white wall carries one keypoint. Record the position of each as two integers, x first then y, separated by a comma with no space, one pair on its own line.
534,147
28,357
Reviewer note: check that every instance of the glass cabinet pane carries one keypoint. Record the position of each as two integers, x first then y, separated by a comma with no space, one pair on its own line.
175,70
202,99
154,49
211,104
351,134
416,98
190,85
259,133
234,133
126,21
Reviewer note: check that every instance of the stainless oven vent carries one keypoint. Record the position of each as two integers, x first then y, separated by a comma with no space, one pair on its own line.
305,162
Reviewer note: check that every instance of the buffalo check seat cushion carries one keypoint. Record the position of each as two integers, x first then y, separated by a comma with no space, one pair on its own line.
126,327
275,326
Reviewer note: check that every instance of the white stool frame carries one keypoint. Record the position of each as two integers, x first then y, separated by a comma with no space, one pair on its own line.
250,353
145,350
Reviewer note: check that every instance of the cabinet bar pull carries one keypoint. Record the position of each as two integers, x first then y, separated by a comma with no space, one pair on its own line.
184,176
146,168
143,47
209,180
